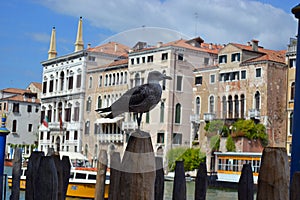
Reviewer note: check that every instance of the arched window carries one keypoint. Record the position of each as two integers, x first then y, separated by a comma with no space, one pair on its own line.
114,79
164,82
14,126
118,79
291,123
198,106
257,100
121,79
292,90
125,77
100,80
236,106
110,80
211,104
230,106
224,107
90,82
242,106
137,79
178,113
162,112
62,81
88,104
96,152
99,102
106,80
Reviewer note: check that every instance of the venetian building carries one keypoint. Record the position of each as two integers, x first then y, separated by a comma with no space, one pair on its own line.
63,92
172,123
247,83
291,73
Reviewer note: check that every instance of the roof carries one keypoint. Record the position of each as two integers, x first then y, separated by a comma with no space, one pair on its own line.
37,85
15,91
20,98
112,64
196,44
266,54
112,48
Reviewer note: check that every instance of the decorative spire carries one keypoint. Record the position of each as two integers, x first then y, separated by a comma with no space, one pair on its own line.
52,49
79,41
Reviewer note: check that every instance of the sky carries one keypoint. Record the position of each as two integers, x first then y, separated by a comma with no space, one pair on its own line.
26,27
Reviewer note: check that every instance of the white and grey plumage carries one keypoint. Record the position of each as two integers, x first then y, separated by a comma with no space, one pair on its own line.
139,99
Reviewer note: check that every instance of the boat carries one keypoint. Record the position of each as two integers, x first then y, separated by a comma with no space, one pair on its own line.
229,165
82,181
171,175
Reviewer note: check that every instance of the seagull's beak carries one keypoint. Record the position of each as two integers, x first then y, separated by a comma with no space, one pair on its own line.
167,77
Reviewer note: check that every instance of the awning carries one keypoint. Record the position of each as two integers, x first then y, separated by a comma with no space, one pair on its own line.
108,120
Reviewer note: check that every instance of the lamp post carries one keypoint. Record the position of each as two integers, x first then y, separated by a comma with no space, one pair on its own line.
3,133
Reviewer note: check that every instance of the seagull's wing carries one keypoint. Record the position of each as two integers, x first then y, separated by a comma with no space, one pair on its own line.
138,101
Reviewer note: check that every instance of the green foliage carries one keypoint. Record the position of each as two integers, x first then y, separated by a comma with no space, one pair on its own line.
215,142
251,130
216,126
230,145
192,157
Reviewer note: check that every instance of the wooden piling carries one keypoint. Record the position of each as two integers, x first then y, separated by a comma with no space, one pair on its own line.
201,182
31,176
47,181
295,185
66,170
246,183
159,179
115,165
16,175
274,176
138,168
179,186
101,175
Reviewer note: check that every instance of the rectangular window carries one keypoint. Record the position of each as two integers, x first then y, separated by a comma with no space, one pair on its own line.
258,72
75,135
87,127
0,106
16,107
48,136
67,114
179,83
160,138
164,56
49,115
78,83
29,127
132,61
29,108
44,87
76,114
292,62
235,57
137,60
212,78
198,80
180,56
51,86
67,135
92,58
206,61
42,136
177,138
143,59
223,59
70,83
150,59
243,74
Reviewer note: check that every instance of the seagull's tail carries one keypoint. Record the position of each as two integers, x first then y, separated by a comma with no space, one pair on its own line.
101,110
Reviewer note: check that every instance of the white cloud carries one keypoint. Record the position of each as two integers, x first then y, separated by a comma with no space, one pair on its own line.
217,21
39,37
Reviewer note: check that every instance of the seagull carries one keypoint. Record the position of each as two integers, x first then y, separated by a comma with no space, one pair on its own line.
139,99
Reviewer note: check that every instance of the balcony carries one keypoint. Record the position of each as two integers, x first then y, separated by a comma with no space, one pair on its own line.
129,125
108,138
253,113
209,116
195,119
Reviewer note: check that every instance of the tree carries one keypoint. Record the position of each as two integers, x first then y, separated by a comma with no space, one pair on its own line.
230,145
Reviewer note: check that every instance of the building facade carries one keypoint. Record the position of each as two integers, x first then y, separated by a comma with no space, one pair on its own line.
22,108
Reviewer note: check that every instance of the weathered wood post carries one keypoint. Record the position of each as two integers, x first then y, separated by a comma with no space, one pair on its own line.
16,174
66,170
101,175
159,179
179,186
47,181
274,176
246,183
138,168
115,165
31,176
295,187
201,182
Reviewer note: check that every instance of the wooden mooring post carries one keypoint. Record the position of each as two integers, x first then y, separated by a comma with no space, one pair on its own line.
138,168
201,182
274,176
159,179
101,175
115,165
246,183
179,186
16,174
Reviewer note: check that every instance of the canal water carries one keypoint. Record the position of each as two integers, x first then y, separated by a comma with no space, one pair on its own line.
212,194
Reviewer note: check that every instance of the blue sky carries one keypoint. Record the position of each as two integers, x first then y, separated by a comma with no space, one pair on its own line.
26,26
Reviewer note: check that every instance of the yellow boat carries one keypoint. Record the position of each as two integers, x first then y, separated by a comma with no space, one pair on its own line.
82,183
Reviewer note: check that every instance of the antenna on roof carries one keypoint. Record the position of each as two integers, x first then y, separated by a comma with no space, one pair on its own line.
196,22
